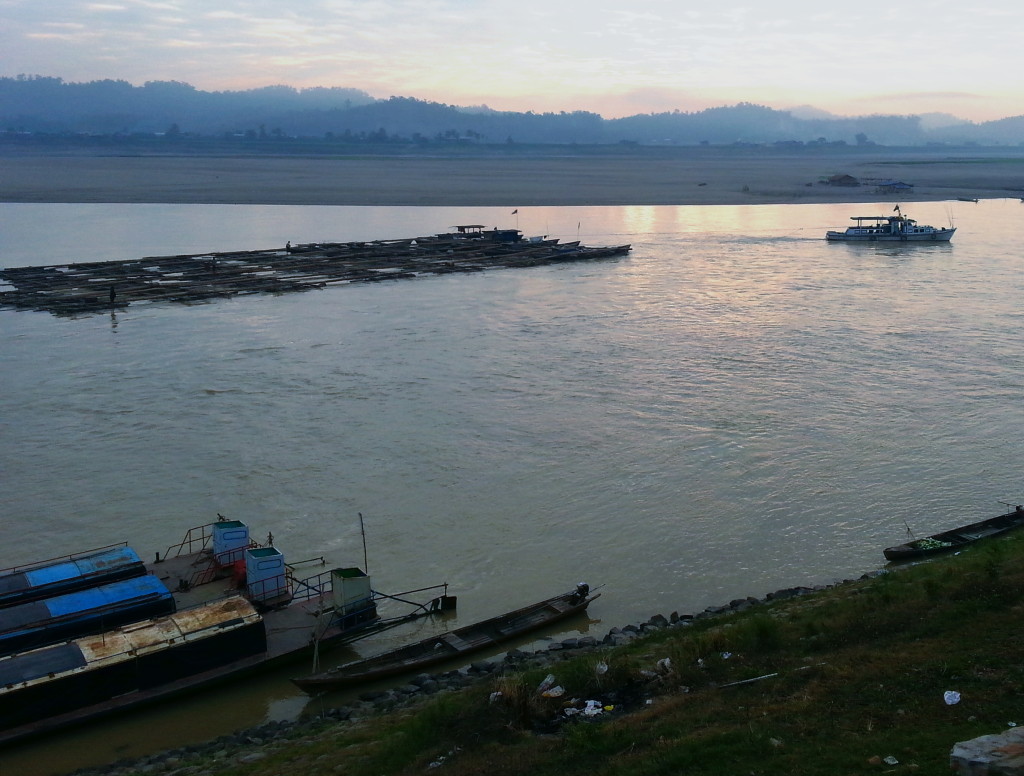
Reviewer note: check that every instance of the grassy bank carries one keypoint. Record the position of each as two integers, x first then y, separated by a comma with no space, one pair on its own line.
848,680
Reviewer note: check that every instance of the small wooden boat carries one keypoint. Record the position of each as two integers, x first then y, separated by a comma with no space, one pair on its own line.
461,641
957,538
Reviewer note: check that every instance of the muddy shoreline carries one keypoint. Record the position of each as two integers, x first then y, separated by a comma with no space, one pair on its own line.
681,176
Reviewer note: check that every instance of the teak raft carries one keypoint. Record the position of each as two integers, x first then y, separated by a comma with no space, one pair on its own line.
99,286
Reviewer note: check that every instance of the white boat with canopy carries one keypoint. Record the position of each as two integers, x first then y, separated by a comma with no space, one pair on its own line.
895,228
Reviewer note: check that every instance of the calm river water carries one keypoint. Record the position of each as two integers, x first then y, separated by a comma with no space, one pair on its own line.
735,407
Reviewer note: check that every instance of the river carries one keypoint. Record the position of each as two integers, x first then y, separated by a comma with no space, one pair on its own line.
734,407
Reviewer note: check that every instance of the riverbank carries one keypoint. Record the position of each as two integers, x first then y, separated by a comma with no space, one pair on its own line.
559,176
880,673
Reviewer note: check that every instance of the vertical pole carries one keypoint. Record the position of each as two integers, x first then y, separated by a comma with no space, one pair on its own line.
362,530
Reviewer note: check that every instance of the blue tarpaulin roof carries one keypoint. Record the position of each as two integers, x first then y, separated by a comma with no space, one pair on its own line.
69,574
38,623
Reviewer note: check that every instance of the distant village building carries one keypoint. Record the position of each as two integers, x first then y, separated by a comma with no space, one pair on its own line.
842,180
893,187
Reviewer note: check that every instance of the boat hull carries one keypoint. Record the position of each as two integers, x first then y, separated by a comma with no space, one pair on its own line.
957,538
939,235
450,645
48,687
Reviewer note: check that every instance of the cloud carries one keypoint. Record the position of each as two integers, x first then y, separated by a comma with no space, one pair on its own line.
646,56
923,96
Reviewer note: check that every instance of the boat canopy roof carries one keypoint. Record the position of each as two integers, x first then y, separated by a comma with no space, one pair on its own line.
880,218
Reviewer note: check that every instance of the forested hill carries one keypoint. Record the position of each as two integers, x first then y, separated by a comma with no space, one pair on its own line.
51,106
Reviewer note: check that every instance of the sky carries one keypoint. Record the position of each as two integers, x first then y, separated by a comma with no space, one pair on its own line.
613,58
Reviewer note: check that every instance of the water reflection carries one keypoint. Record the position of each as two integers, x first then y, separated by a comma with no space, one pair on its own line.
640,219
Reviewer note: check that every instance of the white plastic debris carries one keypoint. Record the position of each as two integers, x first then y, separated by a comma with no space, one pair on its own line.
548,682
726,655
441,760
496,696
592,708
951,697
665,665
554,692
601,668
890,760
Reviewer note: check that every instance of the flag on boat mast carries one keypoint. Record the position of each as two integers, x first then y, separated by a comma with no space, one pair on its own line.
515,212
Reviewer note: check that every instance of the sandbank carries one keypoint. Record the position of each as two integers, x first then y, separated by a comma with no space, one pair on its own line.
693,176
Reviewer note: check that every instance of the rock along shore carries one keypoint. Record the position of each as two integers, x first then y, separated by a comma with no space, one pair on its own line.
254,744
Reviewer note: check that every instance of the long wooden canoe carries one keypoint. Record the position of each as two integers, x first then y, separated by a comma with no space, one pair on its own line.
454,643
957,538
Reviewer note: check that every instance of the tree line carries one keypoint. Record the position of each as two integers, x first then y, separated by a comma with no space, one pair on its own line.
40,105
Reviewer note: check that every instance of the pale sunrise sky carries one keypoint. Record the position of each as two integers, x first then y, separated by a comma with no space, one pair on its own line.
613,58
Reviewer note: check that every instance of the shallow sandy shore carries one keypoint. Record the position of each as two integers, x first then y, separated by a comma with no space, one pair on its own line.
675,177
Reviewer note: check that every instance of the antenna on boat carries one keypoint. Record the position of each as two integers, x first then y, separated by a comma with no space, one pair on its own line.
362,530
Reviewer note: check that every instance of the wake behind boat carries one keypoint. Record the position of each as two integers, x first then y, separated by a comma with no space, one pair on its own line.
957,538
897,228
461,641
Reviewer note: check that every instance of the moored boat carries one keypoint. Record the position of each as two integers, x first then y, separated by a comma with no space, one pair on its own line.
237,607
453,644
897,228
72,289
68,573
957,538
47,621
61,683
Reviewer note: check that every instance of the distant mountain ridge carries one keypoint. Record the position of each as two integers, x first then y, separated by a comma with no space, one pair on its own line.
48,105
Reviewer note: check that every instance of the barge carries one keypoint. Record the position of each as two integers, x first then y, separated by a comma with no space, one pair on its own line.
47,621
238,607
102,286
54,576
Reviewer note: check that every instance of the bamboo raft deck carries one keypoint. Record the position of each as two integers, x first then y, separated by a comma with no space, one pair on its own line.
100,286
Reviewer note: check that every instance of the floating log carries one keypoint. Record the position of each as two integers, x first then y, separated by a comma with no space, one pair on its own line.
98,286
